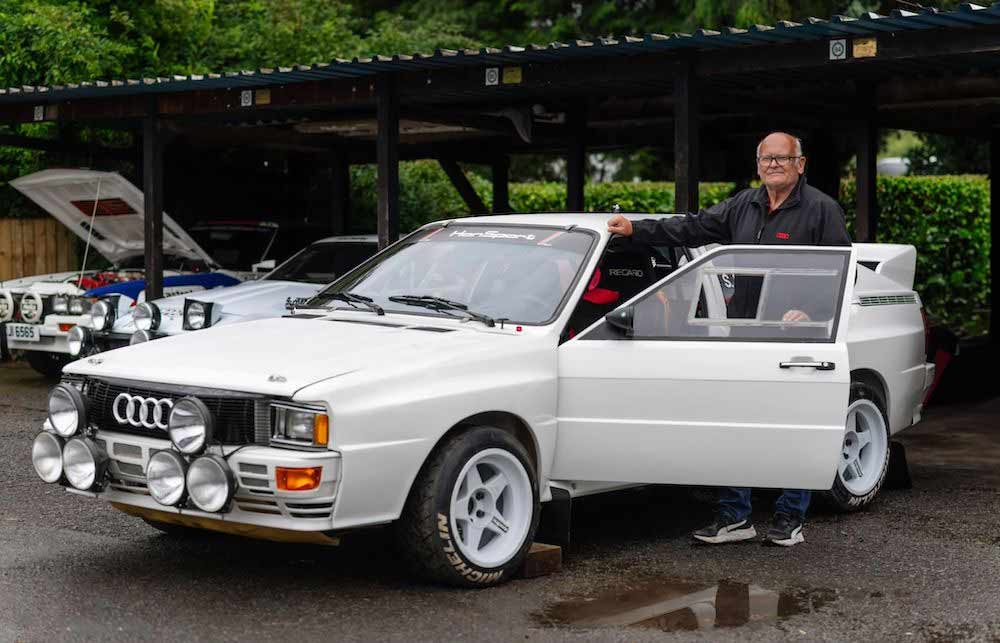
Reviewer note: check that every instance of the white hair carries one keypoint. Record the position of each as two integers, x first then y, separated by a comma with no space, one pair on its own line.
798,143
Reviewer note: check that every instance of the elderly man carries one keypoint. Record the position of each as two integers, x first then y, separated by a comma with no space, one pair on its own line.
784,210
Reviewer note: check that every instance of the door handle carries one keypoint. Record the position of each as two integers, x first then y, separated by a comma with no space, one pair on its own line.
819,366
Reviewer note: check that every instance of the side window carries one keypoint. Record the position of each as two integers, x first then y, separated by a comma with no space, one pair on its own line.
748,295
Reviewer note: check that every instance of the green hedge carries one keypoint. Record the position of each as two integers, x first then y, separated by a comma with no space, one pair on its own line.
945,217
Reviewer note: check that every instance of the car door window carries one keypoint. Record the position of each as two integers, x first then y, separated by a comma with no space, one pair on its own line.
745,294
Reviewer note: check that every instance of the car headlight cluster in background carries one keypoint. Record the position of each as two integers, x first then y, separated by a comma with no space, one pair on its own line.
200,314
6,306
78,340
175,476
146,316
70,305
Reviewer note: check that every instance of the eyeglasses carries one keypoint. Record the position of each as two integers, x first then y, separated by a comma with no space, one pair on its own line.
782,161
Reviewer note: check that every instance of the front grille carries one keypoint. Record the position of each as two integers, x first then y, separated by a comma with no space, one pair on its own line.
235,416
17,306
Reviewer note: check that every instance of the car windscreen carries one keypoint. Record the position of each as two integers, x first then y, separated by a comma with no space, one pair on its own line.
517,273
321,263
235,247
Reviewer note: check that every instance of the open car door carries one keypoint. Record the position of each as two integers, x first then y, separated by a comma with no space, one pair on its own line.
731,371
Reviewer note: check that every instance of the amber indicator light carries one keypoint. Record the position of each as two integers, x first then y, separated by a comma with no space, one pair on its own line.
321,429
305,479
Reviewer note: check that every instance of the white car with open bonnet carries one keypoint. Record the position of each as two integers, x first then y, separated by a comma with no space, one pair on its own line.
479,368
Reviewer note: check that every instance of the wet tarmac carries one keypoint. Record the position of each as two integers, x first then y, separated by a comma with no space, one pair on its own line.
672,605
922,564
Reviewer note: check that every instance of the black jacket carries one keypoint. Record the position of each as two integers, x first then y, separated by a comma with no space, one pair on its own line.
807,217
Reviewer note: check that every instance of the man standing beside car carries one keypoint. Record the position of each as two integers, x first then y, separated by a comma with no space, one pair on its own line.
784,210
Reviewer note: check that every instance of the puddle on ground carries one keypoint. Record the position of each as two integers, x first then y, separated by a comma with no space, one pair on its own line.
672,605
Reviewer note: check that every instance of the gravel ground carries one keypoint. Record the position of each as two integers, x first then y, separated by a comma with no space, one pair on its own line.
922,564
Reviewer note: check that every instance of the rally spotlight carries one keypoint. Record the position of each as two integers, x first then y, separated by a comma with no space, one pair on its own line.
85,463
211,483
67,410
47,457
165,476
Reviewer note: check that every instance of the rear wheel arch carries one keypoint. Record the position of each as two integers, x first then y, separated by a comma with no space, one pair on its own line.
874,380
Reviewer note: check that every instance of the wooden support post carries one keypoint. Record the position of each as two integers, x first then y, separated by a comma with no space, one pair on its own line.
501,184
686,139
866,206
866,150
995,235
464,187
576,159
152,190
387,159
822,163
340,194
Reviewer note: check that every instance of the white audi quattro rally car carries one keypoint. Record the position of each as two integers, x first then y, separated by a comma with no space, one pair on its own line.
291,284
104,210
482,366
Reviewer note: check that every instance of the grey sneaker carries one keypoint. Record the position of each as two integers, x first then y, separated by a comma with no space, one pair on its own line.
785,531
720,532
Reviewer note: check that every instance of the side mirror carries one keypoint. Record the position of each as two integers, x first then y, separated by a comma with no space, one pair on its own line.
622,320
267,264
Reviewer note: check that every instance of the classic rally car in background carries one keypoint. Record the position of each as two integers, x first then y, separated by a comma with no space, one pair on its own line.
291,284
105,210
482,366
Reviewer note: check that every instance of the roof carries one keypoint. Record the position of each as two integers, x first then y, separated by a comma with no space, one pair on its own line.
811,29
352,238
596,221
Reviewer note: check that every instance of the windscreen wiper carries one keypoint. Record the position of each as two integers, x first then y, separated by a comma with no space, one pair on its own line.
354,299
443,305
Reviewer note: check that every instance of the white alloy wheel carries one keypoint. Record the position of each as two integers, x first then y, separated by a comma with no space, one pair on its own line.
491,507
863,459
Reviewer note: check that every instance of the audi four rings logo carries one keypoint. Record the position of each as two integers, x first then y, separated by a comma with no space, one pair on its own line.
147,412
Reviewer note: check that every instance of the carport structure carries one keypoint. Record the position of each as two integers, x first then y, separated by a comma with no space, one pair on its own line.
707,96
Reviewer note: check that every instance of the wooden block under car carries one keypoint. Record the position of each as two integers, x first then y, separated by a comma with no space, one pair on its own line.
542,560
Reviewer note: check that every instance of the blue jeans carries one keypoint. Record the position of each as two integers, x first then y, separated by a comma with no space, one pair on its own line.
734,503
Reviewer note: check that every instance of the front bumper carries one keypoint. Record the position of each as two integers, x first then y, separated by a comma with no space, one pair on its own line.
258,506
50,340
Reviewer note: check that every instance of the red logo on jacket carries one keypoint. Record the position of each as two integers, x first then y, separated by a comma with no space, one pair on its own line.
784,236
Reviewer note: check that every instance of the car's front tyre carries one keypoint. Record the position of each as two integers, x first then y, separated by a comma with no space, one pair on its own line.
864,458
473,510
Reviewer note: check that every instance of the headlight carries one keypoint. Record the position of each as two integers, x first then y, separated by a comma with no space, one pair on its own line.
85,463
165,474
300,426
211,483
146,316
78,340
67,410
102,315
79,306
60,304
197,315
6,306
190,425
46,456
31,307
139,336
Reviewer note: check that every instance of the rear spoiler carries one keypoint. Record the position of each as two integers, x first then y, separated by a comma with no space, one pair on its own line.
896,261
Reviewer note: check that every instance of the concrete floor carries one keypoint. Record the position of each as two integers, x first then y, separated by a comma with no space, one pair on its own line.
921,564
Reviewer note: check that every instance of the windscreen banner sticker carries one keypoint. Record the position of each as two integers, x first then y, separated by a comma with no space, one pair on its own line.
514,235
491,234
